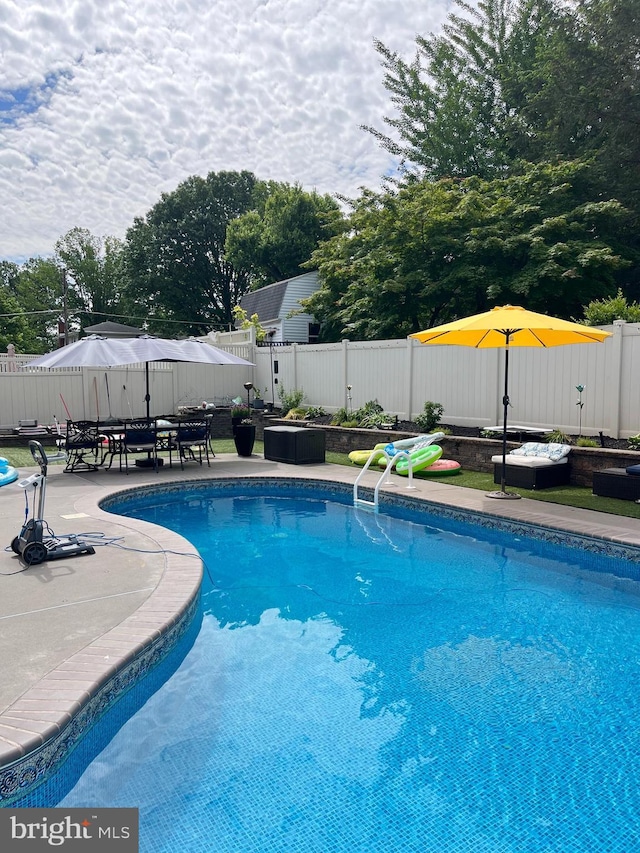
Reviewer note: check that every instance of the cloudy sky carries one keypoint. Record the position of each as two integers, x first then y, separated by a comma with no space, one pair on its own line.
105,104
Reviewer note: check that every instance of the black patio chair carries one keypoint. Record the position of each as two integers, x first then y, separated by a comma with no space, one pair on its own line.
139,437
191,440
83,446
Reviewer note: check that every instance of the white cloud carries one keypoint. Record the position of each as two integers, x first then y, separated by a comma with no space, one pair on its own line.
133,98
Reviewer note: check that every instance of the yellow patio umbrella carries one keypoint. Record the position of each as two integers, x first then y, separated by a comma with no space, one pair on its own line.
510,326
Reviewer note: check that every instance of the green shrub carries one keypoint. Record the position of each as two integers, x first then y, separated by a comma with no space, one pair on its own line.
373,420
296,414
603,312
559,437
369,416
290,399
315,412
372,407
429,419
585,441
634,442
340,417
490,433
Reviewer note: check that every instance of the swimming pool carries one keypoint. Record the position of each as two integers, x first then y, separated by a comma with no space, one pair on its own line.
379,683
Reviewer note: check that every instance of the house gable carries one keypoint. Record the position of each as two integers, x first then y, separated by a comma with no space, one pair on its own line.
265,302
275,303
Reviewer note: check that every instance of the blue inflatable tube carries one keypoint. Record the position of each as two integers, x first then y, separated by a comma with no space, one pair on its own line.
7,473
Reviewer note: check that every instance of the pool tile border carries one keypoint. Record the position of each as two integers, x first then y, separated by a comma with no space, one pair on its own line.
29,771
40,729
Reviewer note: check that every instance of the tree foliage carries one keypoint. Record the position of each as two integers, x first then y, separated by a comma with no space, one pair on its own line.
516,134
457,100
582,97
178,274
93,274
436,251
274,239
513,80
243,321
14,328
40,294
603,312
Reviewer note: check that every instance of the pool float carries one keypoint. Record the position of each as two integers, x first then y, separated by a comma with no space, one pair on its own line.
7,473
443,467
421,458
360,457
416,442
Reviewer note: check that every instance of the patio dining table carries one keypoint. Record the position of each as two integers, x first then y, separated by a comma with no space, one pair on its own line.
114,434
104,441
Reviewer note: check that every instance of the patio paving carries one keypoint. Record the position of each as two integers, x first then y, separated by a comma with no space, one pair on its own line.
64,620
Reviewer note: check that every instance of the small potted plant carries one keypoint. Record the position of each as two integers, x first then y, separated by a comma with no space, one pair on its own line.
258,402
240,413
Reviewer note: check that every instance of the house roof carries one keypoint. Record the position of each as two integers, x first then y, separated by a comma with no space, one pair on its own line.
114,330
265,302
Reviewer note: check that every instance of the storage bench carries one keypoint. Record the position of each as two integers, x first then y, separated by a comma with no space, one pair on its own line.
296,445
616,483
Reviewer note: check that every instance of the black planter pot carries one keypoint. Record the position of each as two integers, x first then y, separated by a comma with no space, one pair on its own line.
234,424
244,436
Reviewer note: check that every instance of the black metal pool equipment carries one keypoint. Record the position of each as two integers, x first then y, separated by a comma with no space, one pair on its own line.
36,542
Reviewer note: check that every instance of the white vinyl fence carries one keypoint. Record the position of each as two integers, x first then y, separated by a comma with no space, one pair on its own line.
404,374
91,393
401,374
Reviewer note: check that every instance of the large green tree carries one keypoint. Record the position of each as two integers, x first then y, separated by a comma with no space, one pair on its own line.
40,292
14,328
178,274
512,80
582,97
93,276
456,105
435,251
275,238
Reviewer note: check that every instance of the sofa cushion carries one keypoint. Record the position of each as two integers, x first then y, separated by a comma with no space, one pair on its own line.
529,461
633,469
550,450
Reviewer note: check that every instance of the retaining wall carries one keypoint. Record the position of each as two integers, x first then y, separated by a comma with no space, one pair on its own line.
472,453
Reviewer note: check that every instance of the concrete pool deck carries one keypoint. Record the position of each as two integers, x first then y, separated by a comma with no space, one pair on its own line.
66,625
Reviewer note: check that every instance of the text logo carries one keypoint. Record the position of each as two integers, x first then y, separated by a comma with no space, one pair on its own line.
99,830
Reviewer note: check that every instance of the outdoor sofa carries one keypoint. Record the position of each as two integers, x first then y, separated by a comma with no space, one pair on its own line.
535,465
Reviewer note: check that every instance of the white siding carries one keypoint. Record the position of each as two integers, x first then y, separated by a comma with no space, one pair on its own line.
296,328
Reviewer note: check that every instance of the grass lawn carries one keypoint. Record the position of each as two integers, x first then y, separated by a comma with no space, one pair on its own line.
20,457
577,496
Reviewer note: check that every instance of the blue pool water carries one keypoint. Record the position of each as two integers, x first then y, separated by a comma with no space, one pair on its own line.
368,683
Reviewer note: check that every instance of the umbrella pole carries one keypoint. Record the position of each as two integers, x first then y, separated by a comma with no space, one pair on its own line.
150,461
505,413
503,493
147,396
